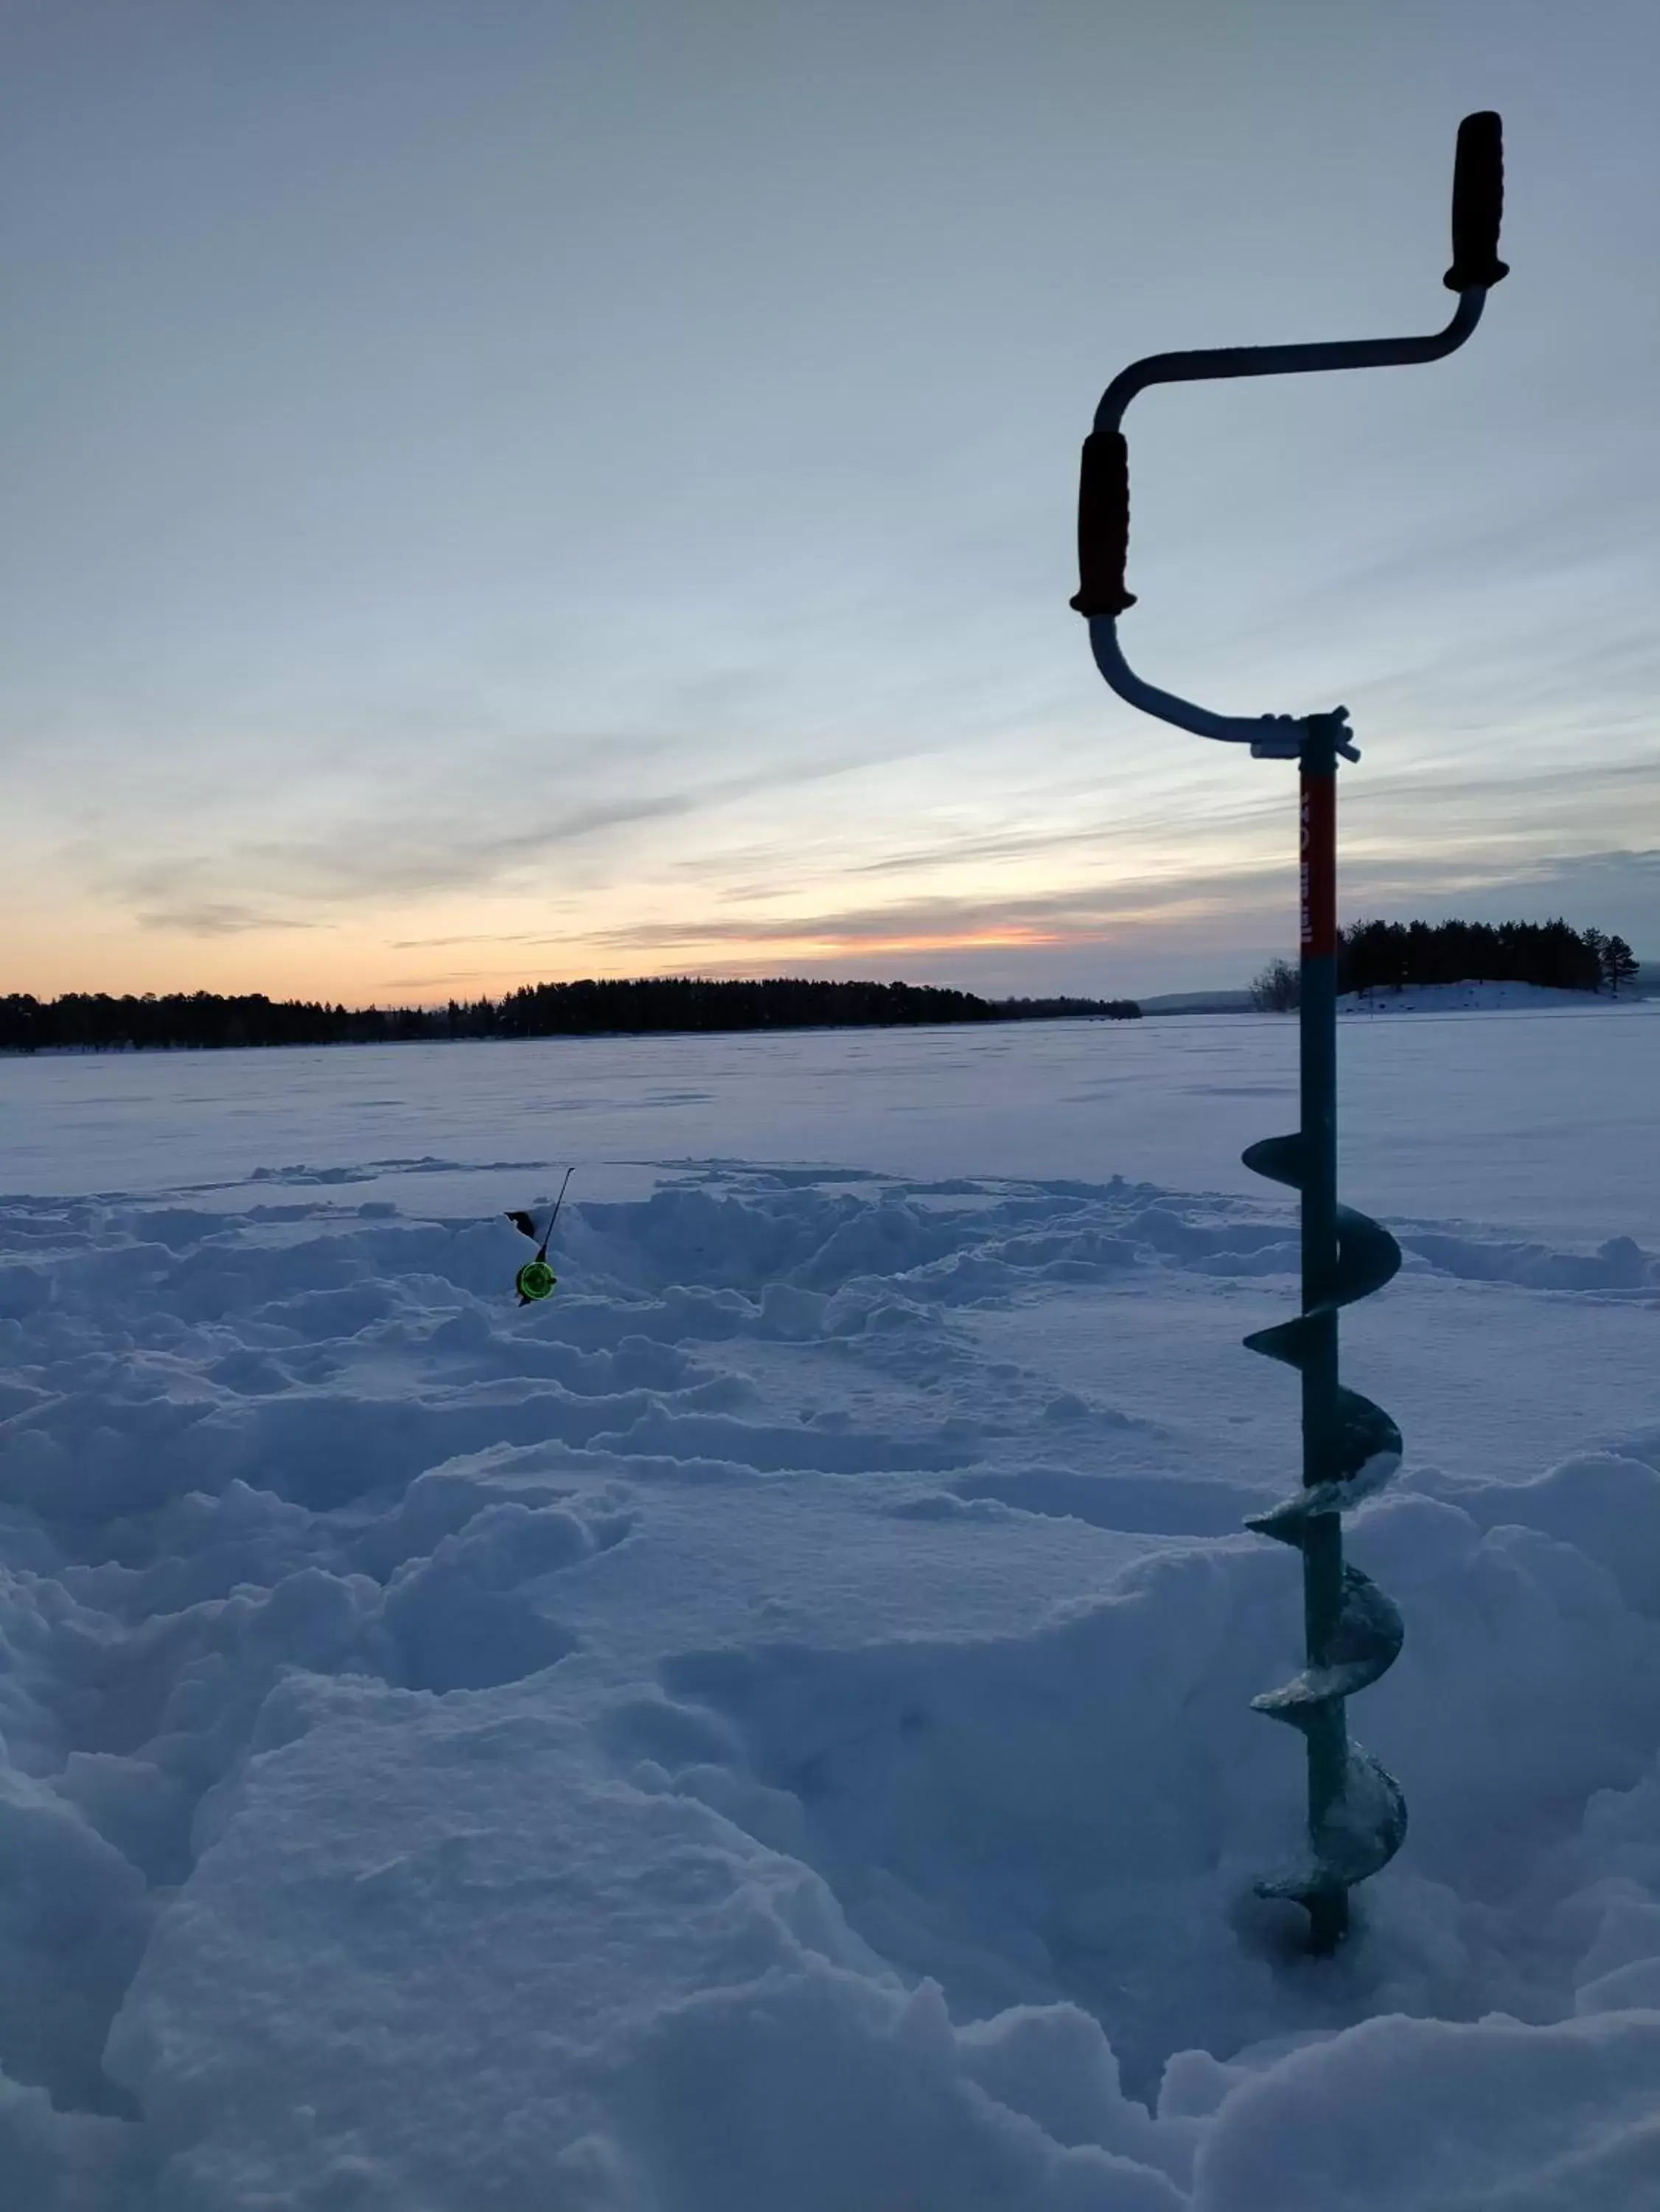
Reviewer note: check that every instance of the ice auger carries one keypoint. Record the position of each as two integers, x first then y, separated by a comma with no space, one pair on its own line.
1356,1813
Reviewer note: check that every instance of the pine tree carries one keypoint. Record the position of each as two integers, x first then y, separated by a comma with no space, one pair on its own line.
1597,944
1619,964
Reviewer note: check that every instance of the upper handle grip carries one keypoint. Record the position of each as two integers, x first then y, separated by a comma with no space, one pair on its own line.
1478,200
1103,525
1478,204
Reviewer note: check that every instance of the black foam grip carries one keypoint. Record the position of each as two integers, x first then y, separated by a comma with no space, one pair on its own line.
1103,525
1478,203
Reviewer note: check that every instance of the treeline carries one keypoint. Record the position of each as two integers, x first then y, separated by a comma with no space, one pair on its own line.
93,1021
781,1002
180,1021
1374,956
1381,956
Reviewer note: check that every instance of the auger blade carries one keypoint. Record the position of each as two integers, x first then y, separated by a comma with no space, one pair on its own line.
1285,1342
1358,1839
1280,1159
1368,1445
1365,1644
1367,1256
1362,1827
1287,1522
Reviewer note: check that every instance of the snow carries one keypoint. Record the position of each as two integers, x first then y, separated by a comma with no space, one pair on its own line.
770,1728
1462,999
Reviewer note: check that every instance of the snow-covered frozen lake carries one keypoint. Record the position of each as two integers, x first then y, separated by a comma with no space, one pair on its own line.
1536,1120
768,1730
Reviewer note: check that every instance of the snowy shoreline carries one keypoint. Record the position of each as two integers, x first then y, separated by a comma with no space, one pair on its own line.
1480,998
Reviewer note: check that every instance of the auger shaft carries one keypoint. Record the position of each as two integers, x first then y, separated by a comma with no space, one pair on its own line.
1323,1547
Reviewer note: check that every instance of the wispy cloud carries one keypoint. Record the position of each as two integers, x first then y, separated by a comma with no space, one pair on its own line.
217,918
1042,918
380,853
359,862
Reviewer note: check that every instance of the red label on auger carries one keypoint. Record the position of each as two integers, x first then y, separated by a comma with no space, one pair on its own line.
1319,865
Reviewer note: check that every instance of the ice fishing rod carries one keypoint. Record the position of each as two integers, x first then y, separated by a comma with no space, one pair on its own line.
536,1278
1356,1813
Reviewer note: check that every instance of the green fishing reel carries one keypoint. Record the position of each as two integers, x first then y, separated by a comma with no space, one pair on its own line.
536,1278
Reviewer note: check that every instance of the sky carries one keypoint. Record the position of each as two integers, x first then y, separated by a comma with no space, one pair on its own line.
502,490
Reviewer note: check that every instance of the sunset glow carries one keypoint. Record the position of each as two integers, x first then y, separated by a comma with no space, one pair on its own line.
609,509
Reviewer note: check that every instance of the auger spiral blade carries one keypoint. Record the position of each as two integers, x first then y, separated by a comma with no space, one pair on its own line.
1357,1815
1359,1836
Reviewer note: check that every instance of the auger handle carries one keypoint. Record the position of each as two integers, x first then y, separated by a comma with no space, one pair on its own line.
1478,194
1478,204
1103,525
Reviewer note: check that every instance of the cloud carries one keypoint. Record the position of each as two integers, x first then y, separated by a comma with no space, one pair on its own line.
360,861
1043,918
354,863
365,855
1118,941
472,937
1196,910
1199,929
216,918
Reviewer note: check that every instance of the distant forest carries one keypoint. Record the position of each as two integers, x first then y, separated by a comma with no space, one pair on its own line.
1374,956
1378,955
93,1022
